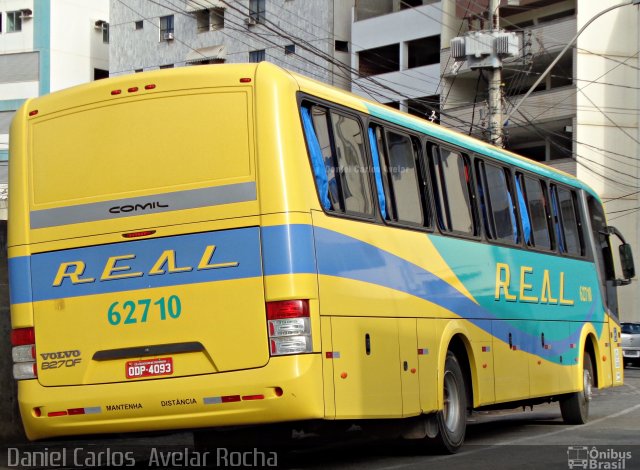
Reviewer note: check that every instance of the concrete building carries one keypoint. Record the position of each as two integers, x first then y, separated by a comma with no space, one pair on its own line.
46,46
310,37
396,53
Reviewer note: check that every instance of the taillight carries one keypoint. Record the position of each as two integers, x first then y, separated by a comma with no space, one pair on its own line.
23,353
289,327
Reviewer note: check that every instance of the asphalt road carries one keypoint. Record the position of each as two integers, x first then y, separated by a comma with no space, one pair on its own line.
536,439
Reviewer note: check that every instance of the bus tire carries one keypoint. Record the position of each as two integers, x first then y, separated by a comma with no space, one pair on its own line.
452,419
575,408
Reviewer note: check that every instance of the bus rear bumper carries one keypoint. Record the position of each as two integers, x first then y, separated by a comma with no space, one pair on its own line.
288,388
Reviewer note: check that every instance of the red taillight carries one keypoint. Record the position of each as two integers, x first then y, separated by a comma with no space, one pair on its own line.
23,336
133,89
33,113
150,86
23,353
116,92
287,309
289,327
245,80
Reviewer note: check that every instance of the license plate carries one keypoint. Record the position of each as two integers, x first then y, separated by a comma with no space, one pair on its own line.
631,353
149,368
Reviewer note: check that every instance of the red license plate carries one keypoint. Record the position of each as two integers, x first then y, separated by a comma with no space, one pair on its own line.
149,368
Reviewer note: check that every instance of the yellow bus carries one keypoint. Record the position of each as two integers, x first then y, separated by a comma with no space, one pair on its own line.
238,245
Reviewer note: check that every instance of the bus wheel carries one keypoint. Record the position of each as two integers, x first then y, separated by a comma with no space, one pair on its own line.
575,408
452,420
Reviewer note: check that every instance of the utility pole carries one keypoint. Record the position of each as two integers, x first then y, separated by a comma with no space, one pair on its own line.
485,50
495,83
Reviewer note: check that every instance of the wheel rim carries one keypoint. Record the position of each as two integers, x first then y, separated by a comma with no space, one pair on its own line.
588,385
451,409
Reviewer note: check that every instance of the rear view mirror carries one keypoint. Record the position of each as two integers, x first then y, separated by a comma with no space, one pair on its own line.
626,260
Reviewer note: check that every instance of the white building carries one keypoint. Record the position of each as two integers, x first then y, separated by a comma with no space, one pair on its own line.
396,53
310,37
46,46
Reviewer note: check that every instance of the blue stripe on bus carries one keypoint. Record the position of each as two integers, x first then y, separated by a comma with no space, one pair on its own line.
288,249
19,280
239,246
342,256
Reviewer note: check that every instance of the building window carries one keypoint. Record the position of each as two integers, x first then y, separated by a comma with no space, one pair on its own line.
424,51
0,22
257,56
404,4
14,21
379,60
166,28
341,46
138,70
139,24
99,74
105,33
167,66
202,20
289,49
257,10
210,19
216,18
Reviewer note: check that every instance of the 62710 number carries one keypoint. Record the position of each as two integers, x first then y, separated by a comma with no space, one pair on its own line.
130,312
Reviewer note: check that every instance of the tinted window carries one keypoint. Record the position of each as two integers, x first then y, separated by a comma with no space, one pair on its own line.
570,222
452,179
336,147
402,172
537,204
498,204
320,118
349,145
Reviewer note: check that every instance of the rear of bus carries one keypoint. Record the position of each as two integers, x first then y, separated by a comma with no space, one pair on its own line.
145,246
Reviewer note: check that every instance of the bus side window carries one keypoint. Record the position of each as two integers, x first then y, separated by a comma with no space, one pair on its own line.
403,174
378,154
603,252
568,226
536,200
570,222
525,217
555,211
316,129
451,176
498,207
352,166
